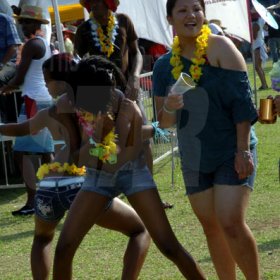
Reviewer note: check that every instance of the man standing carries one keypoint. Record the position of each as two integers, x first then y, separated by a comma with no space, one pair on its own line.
29,74
111,35
9,42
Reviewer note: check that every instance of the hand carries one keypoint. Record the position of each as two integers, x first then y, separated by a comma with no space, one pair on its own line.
174,102
7,89
133,88
244,164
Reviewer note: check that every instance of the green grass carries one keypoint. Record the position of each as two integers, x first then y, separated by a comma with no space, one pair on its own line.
100,255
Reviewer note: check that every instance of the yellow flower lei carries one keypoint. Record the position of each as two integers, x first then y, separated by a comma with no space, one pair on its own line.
57,167
198,60
106,151
106,42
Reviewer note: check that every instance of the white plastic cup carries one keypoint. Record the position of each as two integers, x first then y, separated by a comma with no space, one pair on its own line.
183,84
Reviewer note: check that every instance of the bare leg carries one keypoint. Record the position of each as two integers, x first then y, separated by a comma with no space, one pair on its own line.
229,239
41,249
28,173
121,217
203,207
84,213
259,69
149,207
231,203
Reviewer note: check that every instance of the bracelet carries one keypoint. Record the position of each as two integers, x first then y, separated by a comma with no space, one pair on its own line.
158,133
171,112
245,154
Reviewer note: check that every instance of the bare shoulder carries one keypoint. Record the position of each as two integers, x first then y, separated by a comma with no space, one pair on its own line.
64,105
223,53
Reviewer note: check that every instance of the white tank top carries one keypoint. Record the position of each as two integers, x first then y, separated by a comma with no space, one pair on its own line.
34,85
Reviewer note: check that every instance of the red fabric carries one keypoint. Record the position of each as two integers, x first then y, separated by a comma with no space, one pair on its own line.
30,107
112,4
87,6
156,50
85,3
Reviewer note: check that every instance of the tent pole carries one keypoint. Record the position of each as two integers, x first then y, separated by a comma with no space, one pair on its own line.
58,26
252,52
254,75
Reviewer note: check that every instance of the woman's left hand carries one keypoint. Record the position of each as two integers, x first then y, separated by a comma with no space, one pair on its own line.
244,164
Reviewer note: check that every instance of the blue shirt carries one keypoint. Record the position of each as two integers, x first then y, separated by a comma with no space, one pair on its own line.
8,35
206,126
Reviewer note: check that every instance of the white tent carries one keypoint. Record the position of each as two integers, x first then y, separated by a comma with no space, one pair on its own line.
149,16
233,15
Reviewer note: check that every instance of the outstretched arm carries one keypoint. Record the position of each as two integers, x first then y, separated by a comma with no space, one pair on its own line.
28,127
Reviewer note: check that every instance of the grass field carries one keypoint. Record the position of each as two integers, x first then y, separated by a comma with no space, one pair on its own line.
100,255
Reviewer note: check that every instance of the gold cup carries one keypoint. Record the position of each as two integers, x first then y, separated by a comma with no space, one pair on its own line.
266,114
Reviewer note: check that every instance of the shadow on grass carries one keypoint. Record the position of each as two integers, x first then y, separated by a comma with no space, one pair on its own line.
263,247
269,245
19,235
7,195
10,220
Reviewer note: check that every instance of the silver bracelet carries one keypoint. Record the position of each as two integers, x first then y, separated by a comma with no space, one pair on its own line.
245,154
171,112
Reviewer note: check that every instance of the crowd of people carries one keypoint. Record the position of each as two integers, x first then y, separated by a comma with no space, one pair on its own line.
93,105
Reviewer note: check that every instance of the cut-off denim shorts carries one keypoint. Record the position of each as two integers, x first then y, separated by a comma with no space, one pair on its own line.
225,174
42,142
55,196
131,178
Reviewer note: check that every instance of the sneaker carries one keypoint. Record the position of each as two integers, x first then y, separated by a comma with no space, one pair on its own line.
25,210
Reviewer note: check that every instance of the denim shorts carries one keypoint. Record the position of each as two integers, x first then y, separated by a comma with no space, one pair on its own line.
131,178
55,195
225,174
42,142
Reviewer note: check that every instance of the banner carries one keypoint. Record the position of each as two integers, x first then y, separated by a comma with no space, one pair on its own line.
233,15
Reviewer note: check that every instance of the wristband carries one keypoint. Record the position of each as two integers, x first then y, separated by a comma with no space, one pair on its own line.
159,133
245,154
171,112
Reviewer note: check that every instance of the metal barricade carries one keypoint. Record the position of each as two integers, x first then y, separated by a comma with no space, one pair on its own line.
160,148
6,157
